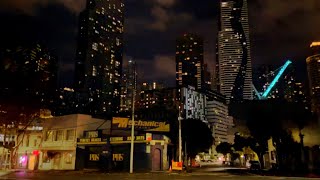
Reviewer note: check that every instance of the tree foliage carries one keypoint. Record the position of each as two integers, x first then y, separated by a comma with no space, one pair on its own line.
197,136
224,148
272,118
15,113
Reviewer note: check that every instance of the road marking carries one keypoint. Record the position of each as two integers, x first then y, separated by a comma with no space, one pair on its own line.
227,176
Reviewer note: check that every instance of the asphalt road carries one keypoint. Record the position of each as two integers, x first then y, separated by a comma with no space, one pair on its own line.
56,175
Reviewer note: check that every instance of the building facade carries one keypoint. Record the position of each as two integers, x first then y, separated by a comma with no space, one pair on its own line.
60,137
193,104
313,66
68,101
28,150
189,61
207,78
167,97
99,55
217,116
128,84
234,58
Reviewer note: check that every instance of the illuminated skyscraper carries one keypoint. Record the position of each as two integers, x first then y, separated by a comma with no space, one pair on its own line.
189,61
99,55
235,69
313,65
129,82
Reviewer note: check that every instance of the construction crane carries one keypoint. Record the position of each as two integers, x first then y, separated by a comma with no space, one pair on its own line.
264,95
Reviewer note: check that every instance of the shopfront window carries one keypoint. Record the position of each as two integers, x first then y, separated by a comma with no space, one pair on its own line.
68,158
59,135
35,143
27,140
23,161
45,158
70,134
49,135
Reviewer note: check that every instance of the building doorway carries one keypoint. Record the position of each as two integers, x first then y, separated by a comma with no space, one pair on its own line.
156,160
57,161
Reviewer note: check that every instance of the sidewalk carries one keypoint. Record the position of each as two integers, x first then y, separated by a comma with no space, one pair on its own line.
286,174
3,173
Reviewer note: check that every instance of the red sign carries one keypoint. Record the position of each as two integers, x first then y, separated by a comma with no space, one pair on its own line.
35,152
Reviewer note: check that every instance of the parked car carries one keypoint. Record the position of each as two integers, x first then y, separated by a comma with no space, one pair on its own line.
254,165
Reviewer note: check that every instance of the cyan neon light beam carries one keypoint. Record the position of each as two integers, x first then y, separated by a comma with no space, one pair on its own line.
275,80
257,92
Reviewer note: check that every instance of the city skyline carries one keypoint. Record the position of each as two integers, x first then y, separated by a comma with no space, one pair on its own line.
110,86
156,33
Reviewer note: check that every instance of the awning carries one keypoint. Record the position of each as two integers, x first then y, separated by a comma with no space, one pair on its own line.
60,148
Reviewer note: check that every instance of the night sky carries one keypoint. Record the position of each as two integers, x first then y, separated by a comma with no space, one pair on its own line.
280,29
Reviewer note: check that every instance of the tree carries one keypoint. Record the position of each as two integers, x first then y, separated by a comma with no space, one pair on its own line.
26,86
239,142
197,136
224,148
272,118
16,114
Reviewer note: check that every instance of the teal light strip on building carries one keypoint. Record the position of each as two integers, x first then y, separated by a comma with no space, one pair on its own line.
275,80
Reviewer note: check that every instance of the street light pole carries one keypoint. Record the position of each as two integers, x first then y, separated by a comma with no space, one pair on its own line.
132,136
132,121
180,135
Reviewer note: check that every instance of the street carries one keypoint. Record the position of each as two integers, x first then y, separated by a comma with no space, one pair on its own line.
202,175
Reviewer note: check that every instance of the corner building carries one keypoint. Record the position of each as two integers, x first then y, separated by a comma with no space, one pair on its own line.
99,55
234,58
313,66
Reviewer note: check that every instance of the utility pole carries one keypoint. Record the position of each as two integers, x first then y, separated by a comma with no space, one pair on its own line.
132,121
180,135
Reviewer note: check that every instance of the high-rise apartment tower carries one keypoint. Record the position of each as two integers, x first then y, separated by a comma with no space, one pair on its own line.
99,55
313,66
235,69
189,61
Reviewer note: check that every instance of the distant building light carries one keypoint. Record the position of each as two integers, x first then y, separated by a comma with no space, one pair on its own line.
315,44
224,4
68,89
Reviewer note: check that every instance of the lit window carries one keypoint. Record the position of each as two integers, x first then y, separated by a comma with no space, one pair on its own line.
94,71
95,46
59,135
70,135
117,41
49,135
27,141
68,158
224,4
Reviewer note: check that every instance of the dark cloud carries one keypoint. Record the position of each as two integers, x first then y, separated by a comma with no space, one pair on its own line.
279,29
283,29
30,6
53,26
150,40
160,67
